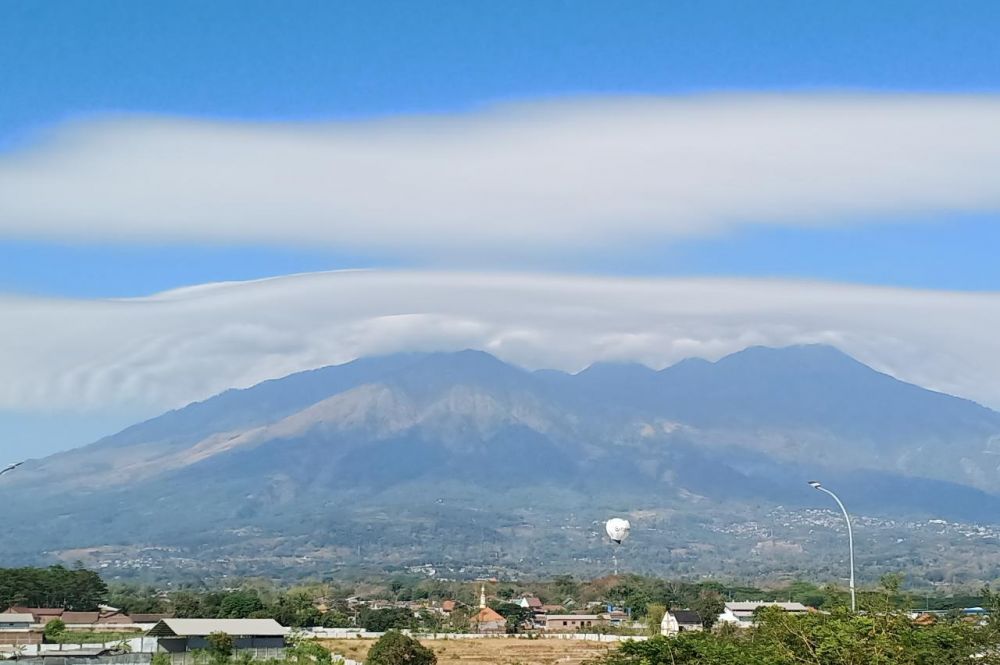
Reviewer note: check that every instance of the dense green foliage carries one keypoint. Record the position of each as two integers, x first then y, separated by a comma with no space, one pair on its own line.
54,628
879,635
394,648
91,636
220,645
307,652
392,618
75,589
517,617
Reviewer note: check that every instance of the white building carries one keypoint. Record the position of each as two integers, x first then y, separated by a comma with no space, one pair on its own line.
680,621
741,613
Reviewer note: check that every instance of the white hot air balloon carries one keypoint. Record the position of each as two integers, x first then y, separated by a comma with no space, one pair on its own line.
618,529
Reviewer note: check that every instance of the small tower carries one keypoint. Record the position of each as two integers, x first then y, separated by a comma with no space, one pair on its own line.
482,597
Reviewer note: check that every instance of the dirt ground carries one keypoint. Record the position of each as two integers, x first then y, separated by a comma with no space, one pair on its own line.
495,651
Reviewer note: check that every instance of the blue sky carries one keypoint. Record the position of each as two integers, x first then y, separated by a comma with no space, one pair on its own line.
307,61
146,146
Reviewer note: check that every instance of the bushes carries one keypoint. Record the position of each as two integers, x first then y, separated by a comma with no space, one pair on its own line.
838,638
390,618
394,648
54,628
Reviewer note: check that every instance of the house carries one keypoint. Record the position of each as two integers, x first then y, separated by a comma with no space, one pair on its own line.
16,629
571,623
264,636
41,615
741,613
448,606
96,621
616,617
679,621
16,621
488,622
530,603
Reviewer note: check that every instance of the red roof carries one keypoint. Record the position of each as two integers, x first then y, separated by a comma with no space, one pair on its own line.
95,617
448,605
37,611
487,615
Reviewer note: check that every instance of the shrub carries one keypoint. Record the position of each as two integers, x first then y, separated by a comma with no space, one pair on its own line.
394,648
54,628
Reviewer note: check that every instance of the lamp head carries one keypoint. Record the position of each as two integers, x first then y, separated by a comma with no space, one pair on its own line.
815,484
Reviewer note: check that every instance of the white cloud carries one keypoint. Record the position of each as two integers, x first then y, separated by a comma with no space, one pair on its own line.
516,180
166,350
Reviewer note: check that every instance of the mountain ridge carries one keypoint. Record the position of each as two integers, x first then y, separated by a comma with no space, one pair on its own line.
696,438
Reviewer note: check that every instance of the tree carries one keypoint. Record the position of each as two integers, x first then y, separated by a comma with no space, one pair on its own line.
54,628
56,586
379,621
630,594
220,646
880,635
565,587
394,648
654,617
709,605
240,605
308,652
515,615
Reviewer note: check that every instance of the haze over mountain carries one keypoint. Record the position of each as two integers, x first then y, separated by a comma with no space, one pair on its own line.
461,449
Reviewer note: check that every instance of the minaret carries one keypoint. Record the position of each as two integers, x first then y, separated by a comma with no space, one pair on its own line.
482,597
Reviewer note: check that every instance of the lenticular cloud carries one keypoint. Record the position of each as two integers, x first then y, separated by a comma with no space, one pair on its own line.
166,350
522,180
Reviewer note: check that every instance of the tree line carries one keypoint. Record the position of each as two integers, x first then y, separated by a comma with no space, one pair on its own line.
880,634
75,589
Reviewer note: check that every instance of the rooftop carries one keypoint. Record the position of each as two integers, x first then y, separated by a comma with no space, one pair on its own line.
203,627
751,605
16,617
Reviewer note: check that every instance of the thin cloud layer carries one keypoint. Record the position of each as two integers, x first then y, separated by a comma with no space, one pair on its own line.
512,181
166,350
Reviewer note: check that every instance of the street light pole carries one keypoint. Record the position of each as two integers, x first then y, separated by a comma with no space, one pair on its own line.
815,484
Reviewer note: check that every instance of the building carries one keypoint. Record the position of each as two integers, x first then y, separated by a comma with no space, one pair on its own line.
96,621
488,622
616,617
572,623
16,621
264,637
16,628
679,621
741,613
41,615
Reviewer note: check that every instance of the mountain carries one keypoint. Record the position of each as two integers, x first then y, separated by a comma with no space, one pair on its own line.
445,456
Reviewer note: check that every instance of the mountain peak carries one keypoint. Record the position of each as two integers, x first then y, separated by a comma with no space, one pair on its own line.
613,369
800,352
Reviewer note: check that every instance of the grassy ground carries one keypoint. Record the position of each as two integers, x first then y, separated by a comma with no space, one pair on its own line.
495,651
89,637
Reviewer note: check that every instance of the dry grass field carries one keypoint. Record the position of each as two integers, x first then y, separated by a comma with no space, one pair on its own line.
489,651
